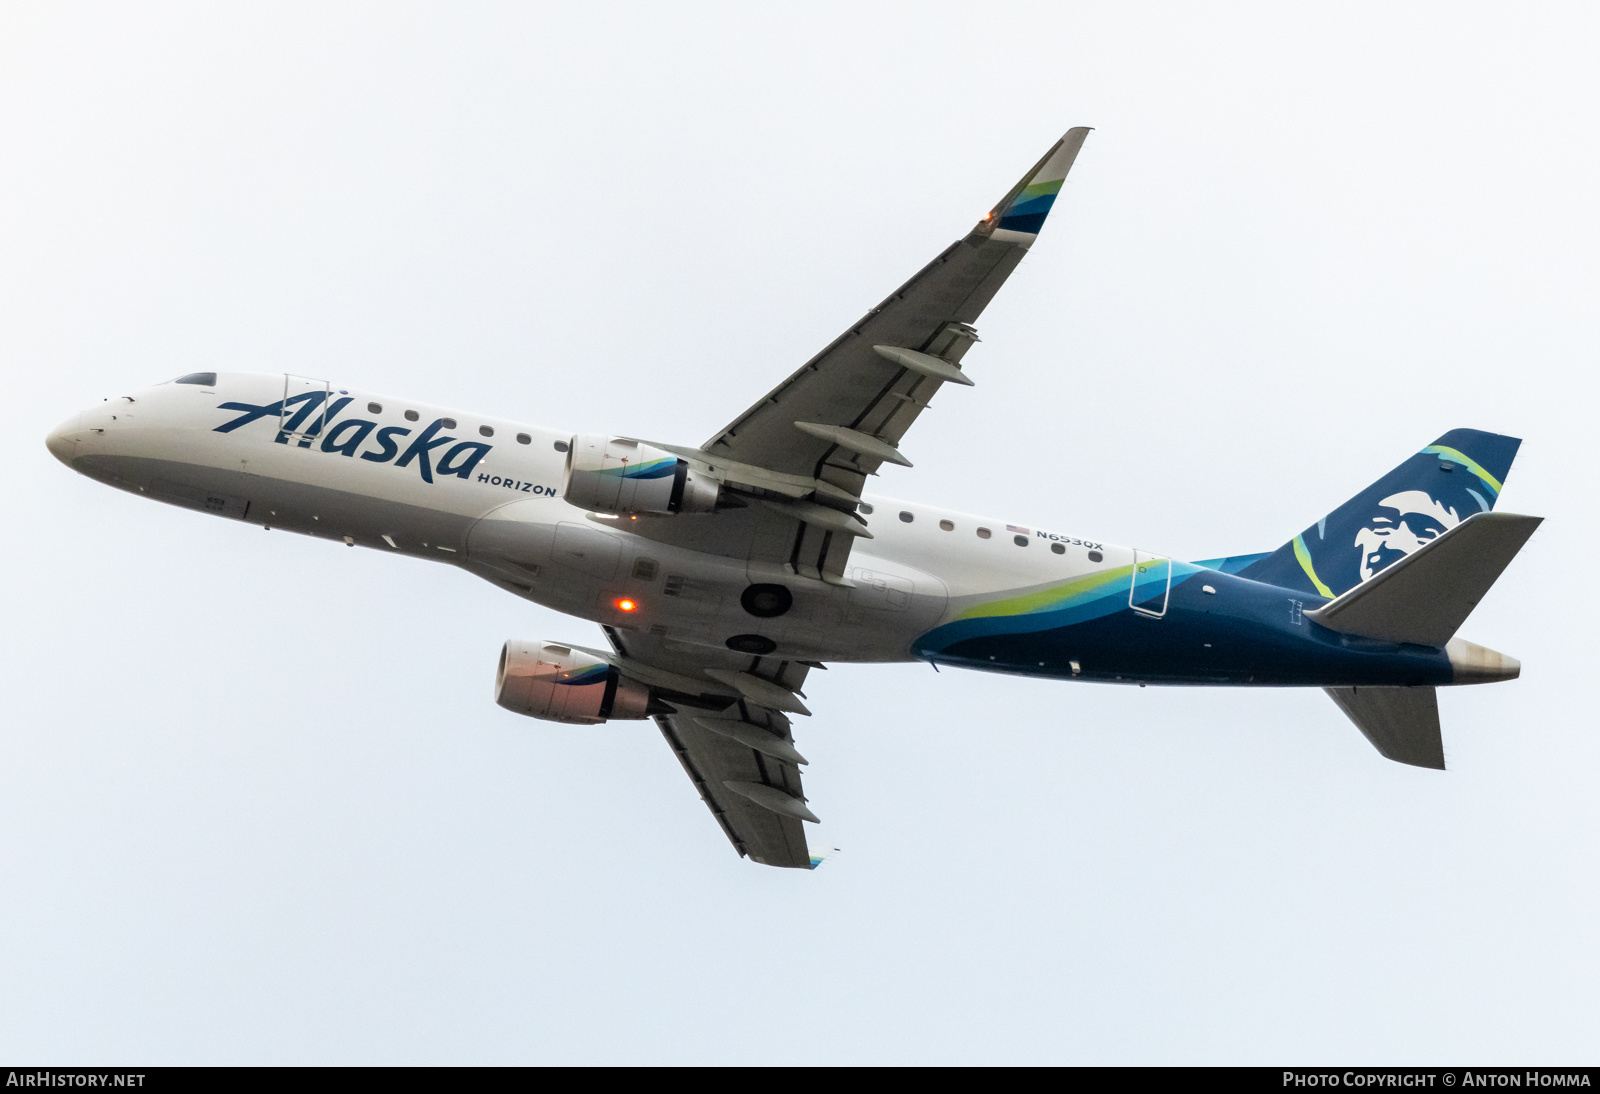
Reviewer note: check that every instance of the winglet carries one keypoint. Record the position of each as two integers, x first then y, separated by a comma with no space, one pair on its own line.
1019,215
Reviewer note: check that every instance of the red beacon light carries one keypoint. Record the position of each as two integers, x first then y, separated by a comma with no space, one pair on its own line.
626,604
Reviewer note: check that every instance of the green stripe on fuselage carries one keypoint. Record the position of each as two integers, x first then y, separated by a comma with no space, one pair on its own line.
1046,599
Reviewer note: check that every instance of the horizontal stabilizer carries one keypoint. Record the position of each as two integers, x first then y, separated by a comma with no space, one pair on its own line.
1426,596
1401,723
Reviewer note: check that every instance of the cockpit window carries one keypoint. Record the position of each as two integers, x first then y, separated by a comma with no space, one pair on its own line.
204,379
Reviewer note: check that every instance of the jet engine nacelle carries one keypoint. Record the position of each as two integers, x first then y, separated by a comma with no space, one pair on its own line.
560,684
614,475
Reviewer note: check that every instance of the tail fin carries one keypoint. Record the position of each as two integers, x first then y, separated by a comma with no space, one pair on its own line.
1425,597
1401,723
1455,477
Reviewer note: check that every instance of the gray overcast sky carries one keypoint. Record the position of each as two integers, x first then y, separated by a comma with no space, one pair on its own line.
256,802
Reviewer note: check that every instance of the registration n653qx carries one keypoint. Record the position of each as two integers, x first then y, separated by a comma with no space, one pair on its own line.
722,573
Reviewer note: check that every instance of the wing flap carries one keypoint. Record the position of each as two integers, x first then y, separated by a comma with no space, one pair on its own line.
834,421
712,761
849,383
755,793
854,385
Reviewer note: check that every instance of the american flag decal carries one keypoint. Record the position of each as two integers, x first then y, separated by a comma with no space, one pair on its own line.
1014,528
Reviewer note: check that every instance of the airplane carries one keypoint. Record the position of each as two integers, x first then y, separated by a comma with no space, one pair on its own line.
722,574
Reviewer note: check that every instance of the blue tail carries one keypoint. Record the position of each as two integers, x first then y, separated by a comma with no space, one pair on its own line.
1454,477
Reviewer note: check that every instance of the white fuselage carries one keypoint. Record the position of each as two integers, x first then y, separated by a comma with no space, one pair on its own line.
494,506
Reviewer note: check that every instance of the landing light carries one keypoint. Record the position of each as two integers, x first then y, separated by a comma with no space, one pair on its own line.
625,604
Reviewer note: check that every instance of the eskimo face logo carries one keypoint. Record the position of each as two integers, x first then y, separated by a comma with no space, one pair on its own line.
1405,523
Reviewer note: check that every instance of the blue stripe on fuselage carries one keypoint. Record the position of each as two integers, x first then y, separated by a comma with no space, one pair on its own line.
1257,634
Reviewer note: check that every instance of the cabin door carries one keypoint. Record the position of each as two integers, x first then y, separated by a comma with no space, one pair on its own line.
1152,582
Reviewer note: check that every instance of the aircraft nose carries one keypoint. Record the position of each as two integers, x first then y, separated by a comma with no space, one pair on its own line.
63,440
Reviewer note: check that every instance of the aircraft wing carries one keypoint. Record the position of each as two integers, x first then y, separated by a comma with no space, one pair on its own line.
805,450
736,747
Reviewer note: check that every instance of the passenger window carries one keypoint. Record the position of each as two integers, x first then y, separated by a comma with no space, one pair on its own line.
947,525
448,423
984,533
561,446
486,430
1020,541
203,379
374,408
906,517
1095,556
866,508
411,415
523,438
1059,548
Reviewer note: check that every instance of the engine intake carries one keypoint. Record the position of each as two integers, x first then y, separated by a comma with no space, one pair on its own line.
615,475
559,684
